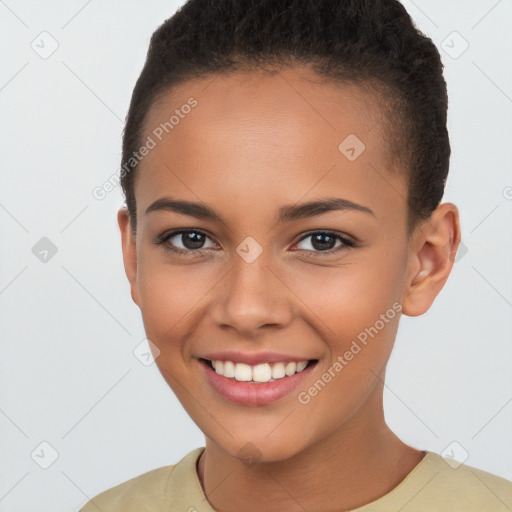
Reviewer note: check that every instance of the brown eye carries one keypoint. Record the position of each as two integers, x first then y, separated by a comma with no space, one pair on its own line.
190,239
324,242
184,242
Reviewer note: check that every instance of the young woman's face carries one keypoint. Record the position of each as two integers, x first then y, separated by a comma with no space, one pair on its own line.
264,280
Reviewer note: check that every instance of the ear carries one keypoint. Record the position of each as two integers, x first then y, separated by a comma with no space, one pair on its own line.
129,252
433,247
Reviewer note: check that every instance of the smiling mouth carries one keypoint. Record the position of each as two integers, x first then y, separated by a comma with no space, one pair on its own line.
259,373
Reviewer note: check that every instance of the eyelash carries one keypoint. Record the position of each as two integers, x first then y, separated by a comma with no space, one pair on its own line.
162,240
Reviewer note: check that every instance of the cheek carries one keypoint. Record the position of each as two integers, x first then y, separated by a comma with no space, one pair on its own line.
170,292
167,298
353,295
356,311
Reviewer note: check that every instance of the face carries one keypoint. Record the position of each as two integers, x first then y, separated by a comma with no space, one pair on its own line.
249,274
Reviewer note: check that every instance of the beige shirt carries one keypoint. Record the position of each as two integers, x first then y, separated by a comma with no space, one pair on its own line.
432,486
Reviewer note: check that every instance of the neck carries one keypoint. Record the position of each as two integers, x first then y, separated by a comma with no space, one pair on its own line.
356,464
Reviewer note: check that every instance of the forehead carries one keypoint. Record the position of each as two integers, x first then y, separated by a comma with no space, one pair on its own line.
282,135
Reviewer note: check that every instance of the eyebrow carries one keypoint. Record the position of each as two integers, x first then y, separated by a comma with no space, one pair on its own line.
286,213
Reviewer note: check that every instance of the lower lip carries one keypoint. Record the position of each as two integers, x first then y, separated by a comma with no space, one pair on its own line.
259,393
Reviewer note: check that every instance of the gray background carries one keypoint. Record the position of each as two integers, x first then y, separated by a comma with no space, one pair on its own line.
69,377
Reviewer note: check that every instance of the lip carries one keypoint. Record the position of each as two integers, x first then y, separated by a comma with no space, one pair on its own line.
254,394
254,358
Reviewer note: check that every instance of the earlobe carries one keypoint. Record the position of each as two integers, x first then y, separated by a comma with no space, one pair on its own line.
129,249
433,249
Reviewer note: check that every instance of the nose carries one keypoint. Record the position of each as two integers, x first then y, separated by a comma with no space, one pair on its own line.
250,297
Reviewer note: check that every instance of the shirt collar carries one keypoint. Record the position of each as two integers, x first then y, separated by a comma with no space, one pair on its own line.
185,487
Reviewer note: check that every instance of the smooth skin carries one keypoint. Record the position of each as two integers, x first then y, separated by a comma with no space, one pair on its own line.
254,143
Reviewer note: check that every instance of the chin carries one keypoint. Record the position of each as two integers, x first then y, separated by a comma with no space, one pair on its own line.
259,449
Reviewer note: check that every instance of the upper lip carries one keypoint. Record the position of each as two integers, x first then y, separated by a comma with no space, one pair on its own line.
253,358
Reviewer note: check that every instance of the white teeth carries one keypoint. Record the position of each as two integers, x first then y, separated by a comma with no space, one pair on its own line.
301,366
265,372
229,369
243,372
219,367
278,371
261,373
290,368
